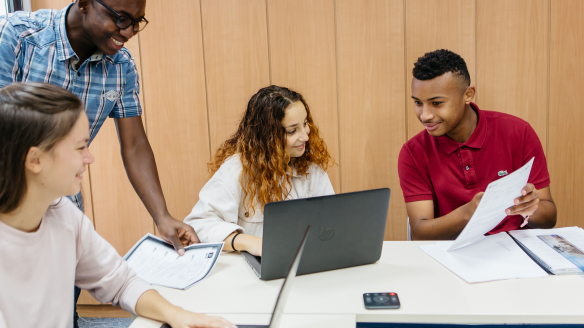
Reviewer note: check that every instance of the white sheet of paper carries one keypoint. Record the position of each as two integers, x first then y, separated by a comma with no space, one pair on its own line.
495,257
156,261
498,197
557,262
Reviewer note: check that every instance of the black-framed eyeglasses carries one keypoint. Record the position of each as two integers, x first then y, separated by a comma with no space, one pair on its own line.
125,21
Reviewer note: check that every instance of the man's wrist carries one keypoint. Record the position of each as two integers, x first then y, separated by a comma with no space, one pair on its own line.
158,219
469,211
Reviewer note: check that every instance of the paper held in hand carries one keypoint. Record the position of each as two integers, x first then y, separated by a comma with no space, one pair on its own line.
498,197
156,261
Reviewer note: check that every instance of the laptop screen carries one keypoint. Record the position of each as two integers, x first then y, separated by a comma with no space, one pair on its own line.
287,286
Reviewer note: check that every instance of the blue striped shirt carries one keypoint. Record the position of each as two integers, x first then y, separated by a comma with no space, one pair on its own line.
34,48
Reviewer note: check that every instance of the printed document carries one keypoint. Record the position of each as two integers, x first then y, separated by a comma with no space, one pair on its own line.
498,197
495,257
156,261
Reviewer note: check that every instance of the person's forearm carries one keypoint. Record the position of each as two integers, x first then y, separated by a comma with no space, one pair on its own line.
143,175
242,242
446,227
152,305
545,216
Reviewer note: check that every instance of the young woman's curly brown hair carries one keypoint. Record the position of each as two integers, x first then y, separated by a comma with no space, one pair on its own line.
260,141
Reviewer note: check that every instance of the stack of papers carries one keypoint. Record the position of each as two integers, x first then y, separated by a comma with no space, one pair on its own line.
156,261
519,254
496,257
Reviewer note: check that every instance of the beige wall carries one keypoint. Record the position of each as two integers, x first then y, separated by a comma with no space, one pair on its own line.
201,60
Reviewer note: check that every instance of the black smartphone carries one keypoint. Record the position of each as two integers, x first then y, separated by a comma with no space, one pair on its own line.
381,301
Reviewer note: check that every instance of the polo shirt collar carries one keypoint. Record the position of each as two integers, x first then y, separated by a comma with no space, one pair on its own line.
476,140
64,49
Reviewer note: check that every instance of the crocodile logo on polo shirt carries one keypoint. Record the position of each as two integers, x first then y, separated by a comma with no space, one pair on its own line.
111,95
503,173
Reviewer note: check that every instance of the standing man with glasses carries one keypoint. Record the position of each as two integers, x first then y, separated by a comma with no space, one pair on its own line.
81,48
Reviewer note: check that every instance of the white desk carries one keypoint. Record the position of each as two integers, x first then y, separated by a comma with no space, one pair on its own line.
428,292
288,320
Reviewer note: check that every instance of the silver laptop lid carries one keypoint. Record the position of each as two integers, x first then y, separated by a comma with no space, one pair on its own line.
287,286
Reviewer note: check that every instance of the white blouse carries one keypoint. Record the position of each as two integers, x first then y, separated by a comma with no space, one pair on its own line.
220,209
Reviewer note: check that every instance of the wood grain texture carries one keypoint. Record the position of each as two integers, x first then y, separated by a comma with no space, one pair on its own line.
102,311
437,24
86,299
513,56
566,139
371,72
174,91
236,61
48,4
303,57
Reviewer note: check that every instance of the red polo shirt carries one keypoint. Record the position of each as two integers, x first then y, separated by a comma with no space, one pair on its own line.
451,173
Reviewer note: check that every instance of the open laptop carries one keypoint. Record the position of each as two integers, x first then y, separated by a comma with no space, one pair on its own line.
347,230
284,291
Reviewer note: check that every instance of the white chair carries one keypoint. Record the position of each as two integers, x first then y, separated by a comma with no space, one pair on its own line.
409,230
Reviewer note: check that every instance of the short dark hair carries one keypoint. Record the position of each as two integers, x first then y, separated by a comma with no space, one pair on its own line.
31,115
438,62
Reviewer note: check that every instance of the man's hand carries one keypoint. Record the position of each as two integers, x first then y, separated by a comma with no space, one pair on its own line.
527,204
472,206
178,233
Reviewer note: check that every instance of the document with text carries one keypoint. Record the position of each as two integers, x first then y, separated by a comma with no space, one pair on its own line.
495,257
529,253
498,197
155,260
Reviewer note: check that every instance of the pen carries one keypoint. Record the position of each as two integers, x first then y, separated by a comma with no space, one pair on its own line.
525,221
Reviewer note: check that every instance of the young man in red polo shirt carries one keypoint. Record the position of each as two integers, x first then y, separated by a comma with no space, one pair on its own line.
445,169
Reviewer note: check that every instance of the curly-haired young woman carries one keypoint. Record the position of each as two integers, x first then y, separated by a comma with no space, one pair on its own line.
275,154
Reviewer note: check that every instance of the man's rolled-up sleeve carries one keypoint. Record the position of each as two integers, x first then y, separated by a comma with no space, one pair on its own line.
128,105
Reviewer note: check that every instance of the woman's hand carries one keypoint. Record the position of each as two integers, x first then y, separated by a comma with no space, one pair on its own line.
253,245
152,305
186,319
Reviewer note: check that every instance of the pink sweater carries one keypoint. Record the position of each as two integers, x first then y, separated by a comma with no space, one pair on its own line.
38,270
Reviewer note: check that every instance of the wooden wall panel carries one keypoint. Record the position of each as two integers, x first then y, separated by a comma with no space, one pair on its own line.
174,91
513,57
371,61
437,24
48,4
303,57
237,66
566,137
